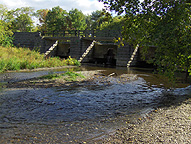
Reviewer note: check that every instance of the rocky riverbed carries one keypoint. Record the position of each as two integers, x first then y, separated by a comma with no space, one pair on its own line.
168,122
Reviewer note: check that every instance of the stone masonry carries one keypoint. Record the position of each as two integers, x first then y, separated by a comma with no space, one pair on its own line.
77,46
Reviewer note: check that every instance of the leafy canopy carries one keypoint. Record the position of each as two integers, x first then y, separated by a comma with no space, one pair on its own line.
22,19
56,19
165,24
5,24
77,18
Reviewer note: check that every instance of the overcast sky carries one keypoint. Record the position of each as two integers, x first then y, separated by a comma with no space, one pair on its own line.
86,6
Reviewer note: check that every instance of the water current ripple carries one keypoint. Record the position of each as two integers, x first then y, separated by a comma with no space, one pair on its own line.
79,103
80,112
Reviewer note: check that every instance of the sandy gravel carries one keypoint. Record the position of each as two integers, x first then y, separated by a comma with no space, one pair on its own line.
167,125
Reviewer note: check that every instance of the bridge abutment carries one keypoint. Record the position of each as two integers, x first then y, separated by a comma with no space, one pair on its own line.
124,54
76,46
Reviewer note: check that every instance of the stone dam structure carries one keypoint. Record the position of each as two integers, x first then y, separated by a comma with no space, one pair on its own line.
75,43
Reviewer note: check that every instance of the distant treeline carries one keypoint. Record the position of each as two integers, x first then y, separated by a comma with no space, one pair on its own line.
26,19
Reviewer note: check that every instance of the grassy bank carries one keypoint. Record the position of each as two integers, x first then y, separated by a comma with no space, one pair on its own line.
22,58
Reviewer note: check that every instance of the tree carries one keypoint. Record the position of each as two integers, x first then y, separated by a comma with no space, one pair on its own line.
88,22
5,32
165,24
77,19
3,12
22,19
41,15
115,23
97,19
57,19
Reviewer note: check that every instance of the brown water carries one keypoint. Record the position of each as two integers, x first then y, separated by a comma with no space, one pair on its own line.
83,113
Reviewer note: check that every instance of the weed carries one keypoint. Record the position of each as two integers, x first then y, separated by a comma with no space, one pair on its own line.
51,76
72,76
68,76
12,58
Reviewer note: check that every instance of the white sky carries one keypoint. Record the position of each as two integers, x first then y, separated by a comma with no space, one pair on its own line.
86,6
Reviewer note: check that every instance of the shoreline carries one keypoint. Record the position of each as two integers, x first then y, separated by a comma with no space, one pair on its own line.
167,124
40,69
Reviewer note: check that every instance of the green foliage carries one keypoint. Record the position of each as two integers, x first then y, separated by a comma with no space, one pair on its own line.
68,76
51,76
57,19
22,58
160,23
77,19
71,61
22,19
116,23
5,35
41,15
7,41
99,18
72,76
5,32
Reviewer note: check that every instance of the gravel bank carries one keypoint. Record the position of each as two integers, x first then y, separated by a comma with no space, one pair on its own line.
170,124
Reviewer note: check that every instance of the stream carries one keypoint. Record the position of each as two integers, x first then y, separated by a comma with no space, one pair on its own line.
79,114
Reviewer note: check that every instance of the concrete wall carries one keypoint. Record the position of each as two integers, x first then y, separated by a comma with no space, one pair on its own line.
63,49
124,54
84,45
74,47
30,40
101,50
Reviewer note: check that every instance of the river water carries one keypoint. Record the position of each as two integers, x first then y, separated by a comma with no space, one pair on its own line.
85,113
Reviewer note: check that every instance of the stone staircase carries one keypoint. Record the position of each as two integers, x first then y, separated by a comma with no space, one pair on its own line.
87,51
51,49
132,56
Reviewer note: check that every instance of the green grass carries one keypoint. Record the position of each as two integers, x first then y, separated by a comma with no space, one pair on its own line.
22,58
72,76
68,76
51,76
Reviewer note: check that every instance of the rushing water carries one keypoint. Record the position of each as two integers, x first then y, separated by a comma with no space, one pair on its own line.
79,113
